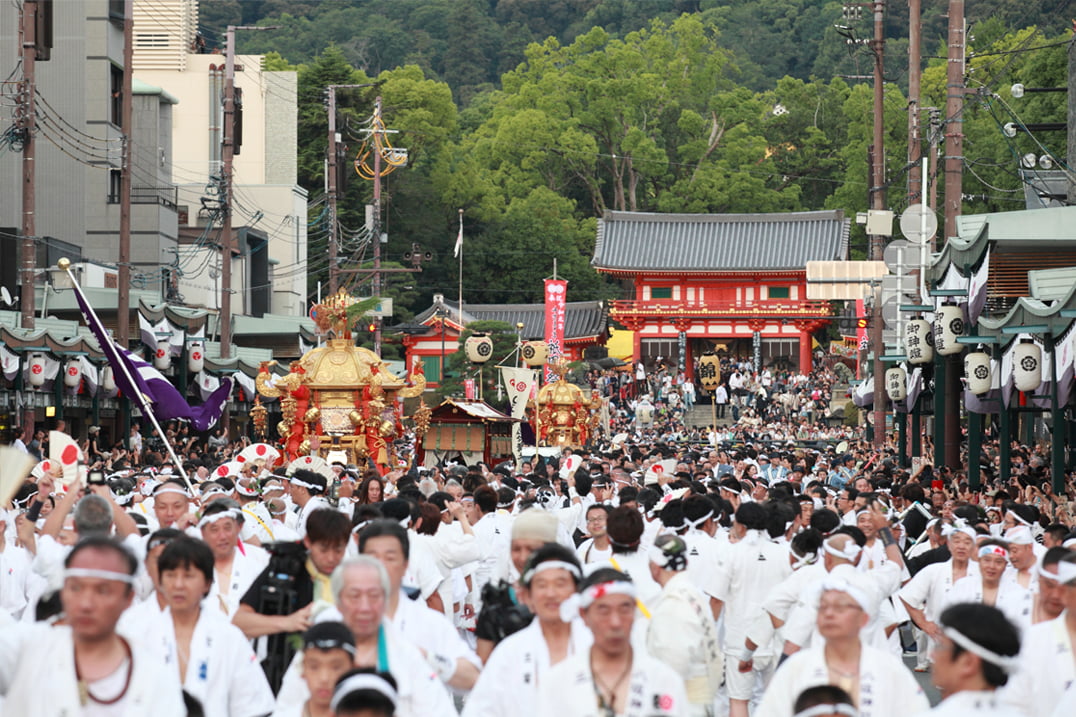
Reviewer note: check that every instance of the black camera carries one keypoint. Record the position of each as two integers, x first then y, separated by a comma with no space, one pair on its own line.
95,477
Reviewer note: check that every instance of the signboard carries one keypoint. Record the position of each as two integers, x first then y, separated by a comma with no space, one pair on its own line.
756,350
556,291
382,308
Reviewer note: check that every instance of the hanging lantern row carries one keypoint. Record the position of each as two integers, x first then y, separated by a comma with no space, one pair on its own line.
534,353
1027,366
162,358
73,373
977,372
948,325
919,341
37,370
479,348
196,357
108,379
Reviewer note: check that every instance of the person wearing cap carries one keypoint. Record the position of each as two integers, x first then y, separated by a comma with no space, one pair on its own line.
994,585
878,681
681,632
925,594
212,658
429,629
237,564
328,654
365,692
1047,663
612,677
307,488
362,586
87,666
521,662
974,657
753,567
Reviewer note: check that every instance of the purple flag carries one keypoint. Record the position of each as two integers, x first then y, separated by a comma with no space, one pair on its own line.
151,390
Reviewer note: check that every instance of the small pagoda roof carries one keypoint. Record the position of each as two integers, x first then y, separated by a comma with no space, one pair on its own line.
640,242
582,319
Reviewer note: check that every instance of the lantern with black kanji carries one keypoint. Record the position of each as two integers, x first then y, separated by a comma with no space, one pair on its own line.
479,348
709,371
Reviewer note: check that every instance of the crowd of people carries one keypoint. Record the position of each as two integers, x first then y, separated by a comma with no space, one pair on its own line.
744,569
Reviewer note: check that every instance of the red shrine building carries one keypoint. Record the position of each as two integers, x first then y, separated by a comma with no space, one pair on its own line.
734,283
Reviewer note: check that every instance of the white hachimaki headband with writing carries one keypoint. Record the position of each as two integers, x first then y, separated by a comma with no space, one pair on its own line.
600,590
304,484
213,518
840,708
993,550
365,681
551,565
99,574
1008,664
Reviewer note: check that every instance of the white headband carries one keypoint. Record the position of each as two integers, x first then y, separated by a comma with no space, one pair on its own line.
959,526
1019,535
841,708
1019,518
850,552
993,550
121,499
613,587
550,565
1008,664
806,559
363,681
243,490
1066,572
99,574
172,489
214,517
851,591
304,484
696,523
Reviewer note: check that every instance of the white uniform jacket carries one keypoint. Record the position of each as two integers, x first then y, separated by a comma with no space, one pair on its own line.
972,703
1047,669
655,690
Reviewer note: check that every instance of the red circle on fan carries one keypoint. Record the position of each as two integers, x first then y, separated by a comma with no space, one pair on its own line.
240,459
260,450
69,455
222,471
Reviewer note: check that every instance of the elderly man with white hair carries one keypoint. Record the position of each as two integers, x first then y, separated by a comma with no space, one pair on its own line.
361,586
879,683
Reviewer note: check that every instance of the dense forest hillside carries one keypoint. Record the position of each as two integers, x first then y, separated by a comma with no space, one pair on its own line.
536,116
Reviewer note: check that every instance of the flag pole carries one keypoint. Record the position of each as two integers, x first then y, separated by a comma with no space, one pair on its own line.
461,269
65,266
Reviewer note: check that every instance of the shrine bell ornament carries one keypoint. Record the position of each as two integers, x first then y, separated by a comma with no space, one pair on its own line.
896,386
162,358
37,370
709,371
977,372
1027,366
72,373
919,341
534,353
479,348
196,357
948,325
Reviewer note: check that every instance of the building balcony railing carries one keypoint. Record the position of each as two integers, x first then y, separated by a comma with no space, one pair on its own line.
165,196
668,308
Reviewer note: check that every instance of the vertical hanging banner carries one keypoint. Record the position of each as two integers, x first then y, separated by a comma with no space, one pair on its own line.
520,384
556,291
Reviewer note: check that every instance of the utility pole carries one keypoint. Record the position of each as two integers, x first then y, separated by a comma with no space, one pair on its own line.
948,453
228,157
123,294
1072,123
877,241
28,125
331,188
375,233
915,146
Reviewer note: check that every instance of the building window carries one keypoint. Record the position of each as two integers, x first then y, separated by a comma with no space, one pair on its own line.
661,292
116,96
779,292
115,185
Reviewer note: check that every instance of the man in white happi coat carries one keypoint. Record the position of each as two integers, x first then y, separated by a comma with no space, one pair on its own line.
706,547
1022,557
88,668
879,683
361,587
426,628
306,491
612,677
521,663
753,567
973,658
237,563
328,654
211,656
1047,664
993,587
925,594
682,633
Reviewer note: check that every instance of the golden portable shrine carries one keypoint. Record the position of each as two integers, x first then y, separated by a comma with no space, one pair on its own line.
340,397
564,414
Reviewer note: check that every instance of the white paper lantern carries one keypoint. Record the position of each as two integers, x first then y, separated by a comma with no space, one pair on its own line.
196,357
896,383
1027,366
108,379
977,372
948,324
479,348
162,359
535,353
72,373
919,341
37,370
